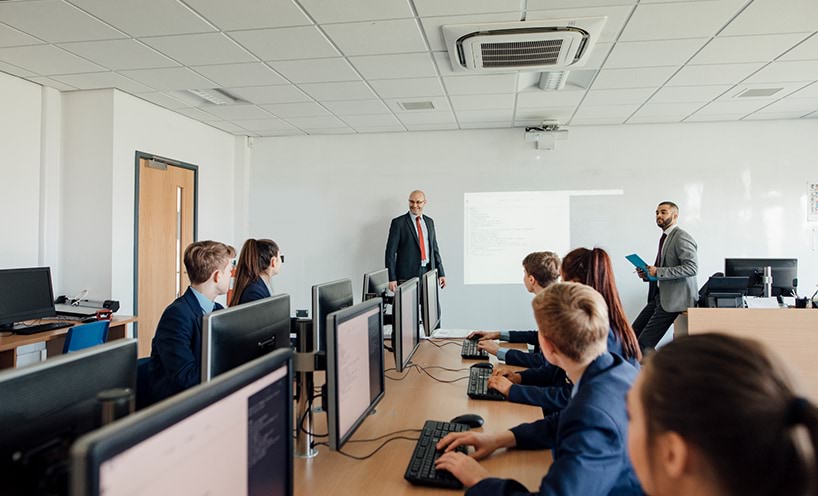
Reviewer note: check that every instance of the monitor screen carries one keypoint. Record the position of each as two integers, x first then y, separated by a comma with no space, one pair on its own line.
45,407
25,294
355,379
405,337
784,272
239,334
375,283
232,436
327,298
431,316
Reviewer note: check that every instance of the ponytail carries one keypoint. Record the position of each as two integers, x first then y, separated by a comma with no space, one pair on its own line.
801,419
256,256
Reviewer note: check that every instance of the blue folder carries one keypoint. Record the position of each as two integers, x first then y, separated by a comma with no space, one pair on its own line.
637,262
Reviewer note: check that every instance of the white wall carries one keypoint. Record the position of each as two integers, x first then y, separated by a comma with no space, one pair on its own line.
20,139
741,188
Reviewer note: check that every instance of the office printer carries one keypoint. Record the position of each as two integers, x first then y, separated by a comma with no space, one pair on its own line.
83,308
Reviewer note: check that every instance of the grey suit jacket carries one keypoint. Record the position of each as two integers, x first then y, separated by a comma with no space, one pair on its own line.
677,272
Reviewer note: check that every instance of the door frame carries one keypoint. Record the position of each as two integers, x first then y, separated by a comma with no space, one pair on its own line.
171,163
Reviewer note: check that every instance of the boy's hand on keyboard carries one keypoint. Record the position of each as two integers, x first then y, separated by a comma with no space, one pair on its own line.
484,444
482,335
489,345
464,467
508,373
501,384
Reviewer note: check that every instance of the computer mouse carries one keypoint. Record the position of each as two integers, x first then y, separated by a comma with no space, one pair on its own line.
483,365
471,419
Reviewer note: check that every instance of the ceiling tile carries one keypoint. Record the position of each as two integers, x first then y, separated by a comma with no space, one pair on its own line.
598,54
270,94
238,75
444,66
696,75
97,80
616,14
807,50
305,42
55,21
409,118
784,89
774,16
732,107
765,116
681,110
47,60
358,10
803,105
197,114
540,98
333,130
801,70
685,94
440,104
432,25
699,117
810,91
146,17
483,102
565,4
281,132
250,14
10,37
371,120
164,100
431,127
484,116
428,8
481,85
813,115
14,70
328,92
618,97
485,125
316,70
650,77
264,124
561,114
237,112
596,121
120,54
407,65
325,122
393,36
305,109
228,127
398,128
200,49
357,107
606,111
653,53
49,82
736,49
663,21
175,78
409,87
655,119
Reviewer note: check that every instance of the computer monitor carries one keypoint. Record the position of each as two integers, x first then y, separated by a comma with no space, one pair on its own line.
375,284
405,329
242,333
355,378
429,302
45,407
232,435
784,272
327,298
25,294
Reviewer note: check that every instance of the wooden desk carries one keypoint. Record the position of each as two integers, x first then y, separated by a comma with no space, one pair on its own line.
56,339
792,333
407,404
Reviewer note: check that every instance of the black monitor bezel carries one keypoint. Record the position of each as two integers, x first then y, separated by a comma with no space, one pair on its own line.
777,264
336,441
270,305
397,321
369,277
428,325
92,450
319,326
29,314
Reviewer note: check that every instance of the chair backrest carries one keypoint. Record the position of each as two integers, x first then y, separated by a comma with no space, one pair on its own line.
86,335
143,384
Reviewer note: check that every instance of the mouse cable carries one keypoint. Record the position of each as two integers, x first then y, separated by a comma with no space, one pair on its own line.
384,436
423,370
355,457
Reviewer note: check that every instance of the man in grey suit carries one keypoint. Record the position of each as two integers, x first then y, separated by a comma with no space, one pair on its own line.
675,268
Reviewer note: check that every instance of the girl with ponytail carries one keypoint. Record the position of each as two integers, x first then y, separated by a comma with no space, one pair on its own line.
258,262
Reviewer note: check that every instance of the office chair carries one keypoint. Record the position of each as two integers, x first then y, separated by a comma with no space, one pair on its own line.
86,335
143,378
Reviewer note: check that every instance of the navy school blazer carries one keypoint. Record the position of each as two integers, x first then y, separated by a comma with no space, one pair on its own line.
256,290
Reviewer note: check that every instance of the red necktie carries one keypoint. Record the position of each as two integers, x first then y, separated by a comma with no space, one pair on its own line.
420,239
659,253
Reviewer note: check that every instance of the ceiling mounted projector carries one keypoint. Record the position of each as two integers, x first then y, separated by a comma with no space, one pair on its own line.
545,136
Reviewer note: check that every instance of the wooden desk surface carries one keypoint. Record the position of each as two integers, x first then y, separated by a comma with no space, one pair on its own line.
13,341
407,404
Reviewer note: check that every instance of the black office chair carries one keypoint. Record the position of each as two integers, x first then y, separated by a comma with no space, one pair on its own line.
143,385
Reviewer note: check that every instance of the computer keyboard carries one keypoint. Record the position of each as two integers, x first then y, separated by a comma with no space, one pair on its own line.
421,470
51,326
478,388
471,352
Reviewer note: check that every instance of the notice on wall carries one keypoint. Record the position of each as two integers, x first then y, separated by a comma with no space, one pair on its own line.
501,228
812,202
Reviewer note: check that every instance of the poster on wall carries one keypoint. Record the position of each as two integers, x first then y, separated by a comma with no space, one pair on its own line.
812,202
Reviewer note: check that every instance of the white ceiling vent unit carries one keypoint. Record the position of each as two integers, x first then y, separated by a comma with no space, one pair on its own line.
522,46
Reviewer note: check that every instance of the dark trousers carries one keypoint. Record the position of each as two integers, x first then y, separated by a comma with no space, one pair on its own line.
652,323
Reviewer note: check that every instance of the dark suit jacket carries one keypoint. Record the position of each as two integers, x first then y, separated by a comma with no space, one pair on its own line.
176,350
524,358
589,439
403,249
257,290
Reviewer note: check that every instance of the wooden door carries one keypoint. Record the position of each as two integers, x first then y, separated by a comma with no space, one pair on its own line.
166,227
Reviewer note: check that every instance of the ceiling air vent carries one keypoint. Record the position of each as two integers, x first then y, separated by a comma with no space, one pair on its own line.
522,46
417,105
758,92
